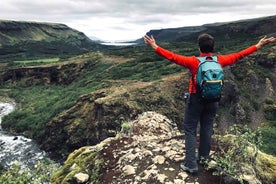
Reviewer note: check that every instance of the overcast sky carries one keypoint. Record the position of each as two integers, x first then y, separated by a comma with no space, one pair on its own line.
131,19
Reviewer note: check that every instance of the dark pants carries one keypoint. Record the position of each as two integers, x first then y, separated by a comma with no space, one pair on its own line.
197,111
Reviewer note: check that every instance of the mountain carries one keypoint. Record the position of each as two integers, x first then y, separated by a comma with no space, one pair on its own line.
224,31
23,40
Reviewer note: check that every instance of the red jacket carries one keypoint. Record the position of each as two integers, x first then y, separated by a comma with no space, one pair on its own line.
191,62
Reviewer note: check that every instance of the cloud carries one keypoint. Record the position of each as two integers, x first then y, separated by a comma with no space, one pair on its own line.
131,19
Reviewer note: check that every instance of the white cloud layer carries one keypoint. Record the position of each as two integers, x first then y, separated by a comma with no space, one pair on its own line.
131,19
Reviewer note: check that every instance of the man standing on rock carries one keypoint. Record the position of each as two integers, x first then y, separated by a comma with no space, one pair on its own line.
196,110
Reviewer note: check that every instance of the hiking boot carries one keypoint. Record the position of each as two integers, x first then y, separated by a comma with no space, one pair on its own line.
187,169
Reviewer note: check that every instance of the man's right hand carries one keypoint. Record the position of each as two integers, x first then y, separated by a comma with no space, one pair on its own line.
150,41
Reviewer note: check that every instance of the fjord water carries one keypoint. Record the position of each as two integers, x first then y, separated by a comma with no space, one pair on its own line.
16,148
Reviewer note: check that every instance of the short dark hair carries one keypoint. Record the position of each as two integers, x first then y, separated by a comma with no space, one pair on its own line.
206,43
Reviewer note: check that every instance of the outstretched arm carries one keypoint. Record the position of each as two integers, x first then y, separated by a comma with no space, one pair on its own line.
150,41
185,61
230,59
264,41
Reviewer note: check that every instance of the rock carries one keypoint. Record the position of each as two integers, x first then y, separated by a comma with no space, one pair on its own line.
240,114
270,93
73,167
161,178
249,175
147,153
81,177
132,157
128,170
2,142
171,154
178,181
182,175
159,159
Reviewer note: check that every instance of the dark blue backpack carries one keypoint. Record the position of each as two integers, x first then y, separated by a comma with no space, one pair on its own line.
209,78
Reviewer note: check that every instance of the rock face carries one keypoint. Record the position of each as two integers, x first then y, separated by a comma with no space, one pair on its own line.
63,73
149,153
43,75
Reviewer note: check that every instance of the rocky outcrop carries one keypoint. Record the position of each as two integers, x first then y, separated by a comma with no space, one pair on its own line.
99,115
149,152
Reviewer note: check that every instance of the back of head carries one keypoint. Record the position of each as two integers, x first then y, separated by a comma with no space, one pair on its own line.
206,43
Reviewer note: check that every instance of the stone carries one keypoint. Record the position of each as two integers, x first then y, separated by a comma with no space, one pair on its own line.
178,181
73,167
147,153
159,159
161,178
81,177
128,170
131,157
183,175
171,169
171,154
165,149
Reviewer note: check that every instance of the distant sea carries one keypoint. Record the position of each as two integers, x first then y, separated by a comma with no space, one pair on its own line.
118,43
113,42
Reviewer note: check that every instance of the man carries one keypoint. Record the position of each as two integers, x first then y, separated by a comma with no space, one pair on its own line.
196,110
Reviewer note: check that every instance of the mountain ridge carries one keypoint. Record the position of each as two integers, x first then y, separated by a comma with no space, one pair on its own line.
23,40
190,33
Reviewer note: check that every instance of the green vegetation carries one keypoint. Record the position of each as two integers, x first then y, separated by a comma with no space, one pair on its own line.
269,138
41,173
126,128
83,160
144,71
48,60
23,63
38,104
237,151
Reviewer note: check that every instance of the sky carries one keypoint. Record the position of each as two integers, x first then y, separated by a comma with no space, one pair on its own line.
116,20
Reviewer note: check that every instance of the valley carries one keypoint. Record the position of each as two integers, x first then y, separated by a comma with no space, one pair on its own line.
83,98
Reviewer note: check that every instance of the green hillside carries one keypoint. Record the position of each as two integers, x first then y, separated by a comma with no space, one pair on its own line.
28,40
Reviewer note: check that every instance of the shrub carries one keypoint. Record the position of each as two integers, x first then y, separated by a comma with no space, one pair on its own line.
268,138
40,174
270,111
126,128
235,150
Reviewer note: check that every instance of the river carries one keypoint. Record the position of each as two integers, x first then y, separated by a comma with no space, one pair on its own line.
16,147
